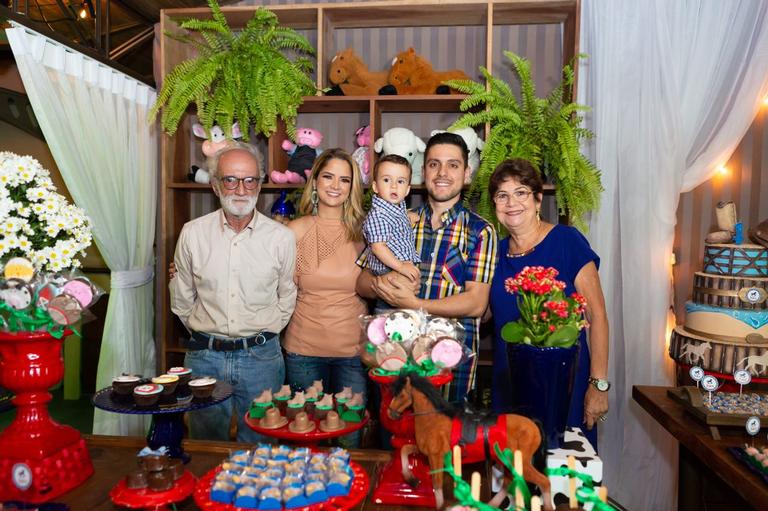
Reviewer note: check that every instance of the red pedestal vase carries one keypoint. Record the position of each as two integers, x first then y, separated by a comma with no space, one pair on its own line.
39,459
390,488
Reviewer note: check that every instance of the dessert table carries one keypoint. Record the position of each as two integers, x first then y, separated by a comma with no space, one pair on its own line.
710,476
113,457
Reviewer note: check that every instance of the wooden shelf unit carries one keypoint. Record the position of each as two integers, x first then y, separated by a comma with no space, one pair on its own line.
323,20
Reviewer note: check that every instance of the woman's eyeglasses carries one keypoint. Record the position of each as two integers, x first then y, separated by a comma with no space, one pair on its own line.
232,182
518,195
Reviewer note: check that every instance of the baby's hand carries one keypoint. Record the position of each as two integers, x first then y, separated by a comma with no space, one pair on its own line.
410,271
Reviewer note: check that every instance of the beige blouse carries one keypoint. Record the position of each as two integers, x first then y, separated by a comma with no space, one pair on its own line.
325,321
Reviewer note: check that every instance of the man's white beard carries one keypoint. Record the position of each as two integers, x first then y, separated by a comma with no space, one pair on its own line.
236,206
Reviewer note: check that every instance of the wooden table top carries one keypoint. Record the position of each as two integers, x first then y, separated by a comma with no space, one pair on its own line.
695,436
114,457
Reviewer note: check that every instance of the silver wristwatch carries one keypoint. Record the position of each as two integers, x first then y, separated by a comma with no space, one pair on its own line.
601,385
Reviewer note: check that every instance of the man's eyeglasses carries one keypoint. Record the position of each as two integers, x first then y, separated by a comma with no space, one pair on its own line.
232,182
519,195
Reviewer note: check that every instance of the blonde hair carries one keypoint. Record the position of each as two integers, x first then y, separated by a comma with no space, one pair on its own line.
352,215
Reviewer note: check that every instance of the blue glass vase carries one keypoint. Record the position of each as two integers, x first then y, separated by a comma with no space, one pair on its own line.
542,385
283,207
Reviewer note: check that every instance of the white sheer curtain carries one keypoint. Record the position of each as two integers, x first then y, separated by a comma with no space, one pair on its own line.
674,87
94,119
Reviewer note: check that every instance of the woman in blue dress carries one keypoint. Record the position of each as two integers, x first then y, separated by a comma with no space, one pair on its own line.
516,190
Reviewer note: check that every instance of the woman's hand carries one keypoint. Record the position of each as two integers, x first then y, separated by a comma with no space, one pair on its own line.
171,270
595,406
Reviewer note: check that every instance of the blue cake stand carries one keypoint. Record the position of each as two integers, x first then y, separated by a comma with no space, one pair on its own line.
167,428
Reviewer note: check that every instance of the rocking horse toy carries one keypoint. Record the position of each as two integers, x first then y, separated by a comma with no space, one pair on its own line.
439,426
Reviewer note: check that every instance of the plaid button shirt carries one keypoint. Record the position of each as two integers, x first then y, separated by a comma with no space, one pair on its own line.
462,249
388,223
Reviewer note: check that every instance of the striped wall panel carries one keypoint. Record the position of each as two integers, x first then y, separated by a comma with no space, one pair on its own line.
746,184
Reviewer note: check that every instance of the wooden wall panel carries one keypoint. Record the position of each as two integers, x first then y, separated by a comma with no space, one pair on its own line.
746,184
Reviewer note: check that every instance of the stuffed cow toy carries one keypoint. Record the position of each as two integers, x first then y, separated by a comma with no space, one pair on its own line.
213,143
405,143
474,143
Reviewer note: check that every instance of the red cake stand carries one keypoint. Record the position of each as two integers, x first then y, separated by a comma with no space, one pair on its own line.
360,485
144,498
390,488
310,439
39,458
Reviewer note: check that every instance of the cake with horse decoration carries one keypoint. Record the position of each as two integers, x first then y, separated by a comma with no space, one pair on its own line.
726,320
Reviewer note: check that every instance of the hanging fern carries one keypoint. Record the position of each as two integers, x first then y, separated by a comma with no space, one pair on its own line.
243,76
544,131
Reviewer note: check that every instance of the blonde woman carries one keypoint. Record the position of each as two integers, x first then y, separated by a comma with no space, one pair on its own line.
323,338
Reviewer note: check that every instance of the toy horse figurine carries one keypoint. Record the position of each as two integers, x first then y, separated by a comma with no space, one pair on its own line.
413,74
350,74
439,426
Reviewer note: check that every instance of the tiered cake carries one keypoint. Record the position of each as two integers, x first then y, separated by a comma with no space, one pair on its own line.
726,322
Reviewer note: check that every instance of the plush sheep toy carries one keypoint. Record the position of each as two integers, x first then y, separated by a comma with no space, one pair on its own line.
363,139
405,143
474,143
213,143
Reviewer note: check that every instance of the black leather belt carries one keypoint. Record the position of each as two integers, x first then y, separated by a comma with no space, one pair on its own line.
203,341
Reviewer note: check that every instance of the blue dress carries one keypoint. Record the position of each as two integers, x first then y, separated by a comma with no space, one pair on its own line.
567,250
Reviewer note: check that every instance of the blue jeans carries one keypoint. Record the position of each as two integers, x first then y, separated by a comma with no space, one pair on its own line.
250,372
336,373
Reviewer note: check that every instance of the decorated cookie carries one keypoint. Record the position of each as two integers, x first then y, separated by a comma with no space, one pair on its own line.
81,290
16,293
420,348
441,327
376,333
64,310
391,356
400,326
47,293
446,352
19,268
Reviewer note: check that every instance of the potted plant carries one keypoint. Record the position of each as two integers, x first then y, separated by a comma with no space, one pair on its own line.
242,76
543,348
544,131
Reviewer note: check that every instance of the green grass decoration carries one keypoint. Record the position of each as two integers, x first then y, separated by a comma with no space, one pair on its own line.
241,76
544,131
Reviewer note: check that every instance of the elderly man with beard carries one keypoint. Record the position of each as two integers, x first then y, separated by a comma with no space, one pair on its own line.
234,291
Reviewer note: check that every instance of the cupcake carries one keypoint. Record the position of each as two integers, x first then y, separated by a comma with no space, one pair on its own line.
282,397
124,384
168,382
311,399
147,395
295,405
323,406
184,374
261,404
202,388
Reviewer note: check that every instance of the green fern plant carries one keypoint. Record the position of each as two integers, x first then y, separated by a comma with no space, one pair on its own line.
544,131
240,76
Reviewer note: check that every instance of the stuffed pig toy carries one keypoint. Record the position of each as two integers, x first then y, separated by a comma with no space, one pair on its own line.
213,143
405,143
474,143
363,139
302,156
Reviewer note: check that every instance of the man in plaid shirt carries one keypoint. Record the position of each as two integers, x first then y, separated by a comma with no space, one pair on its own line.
457,249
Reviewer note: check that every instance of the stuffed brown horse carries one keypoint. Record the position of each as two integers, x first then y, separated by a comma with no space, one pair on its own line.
439,426
413,74
350,73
